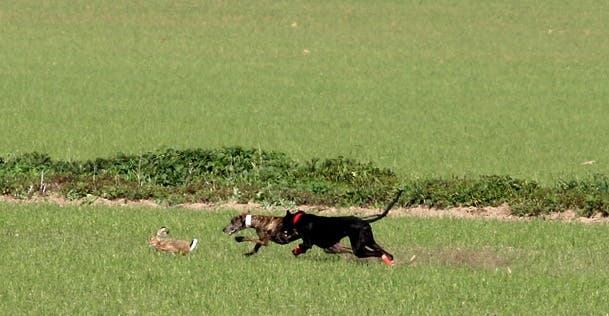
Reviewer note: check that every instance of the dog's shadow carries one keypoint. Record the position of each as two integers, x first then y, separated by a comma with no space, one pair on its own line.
320,256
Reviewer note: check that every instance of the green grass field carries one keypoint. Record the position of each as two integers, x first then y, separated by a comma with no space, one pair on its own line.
95,260
426,89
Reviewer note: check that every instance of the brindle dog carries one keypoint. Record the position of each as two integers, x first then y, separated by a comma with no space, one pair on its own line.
269,228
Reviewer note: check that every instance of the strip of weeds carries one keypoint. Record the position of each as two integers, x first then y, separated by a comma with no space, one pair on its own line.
253,175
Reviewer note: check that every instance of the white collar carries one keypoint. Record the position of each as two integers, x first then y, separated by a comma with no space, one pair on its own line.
248,220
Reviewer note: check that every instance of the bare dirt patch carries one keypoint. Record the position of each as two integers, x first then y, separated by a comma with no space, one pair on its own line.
502,212
486,258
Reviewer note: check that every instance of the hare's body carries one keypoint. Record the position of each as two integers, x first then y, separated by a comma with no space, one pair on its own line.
162,242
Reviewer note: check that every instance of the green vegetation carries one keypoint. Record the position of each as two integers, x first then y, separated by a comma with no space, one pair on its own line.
178,176
201,176
427,89
95,260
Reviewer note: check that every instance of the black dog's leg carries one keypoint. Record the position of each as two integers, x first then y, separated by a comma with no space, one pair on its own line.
365,246
373,250
303,247
300,249
387,257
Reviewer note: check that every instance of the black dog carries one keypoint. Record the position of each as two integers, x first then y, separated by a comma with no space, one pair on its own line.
327,231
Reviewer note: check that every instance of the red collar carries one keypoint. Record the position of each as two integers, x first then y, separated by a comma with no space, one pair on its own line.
297,217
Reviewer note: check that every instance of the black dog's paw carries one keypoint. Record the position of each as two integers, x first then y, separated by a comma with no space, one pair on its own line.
239,238
247,254
296,251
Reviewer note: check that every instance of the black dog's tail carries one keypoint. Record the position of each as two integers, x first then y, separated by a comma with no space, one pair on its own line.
375,218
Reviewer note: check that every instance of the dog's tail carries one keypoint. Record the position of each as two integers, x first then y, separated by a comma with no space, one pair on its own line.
375,218
193,244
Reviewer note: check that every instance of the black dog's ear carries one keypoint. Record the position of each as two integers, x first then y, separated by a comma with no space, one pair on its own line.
287,219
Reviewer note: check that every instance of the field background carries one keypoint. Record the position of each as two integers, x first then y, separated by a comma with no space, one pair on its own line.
426,89
94,260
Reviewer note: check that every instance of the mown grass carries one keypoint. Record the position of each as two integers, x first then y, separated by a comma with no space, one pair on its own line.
426,89
95,260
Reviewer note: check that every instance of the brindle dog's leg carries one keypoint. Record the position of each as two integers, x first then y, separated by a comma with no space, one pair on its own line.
338,248
259,243
250,239
255,250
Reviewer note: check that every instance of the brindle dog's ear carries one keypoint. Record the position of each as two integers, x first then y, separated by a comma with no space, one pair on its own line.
287,213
